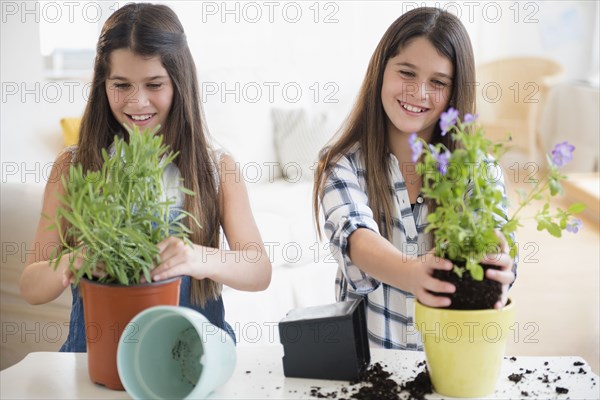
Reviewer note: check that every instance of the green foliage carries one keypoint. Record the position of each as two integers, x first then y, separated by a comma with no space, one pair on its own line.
116,216
469,199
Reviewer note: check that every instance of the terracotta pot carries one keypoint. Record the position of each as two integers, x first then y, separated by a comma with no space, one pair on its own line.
107,309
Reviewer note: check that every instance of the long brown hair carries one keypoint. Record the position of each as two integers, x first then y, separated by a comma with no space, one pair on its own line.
155,30
367,121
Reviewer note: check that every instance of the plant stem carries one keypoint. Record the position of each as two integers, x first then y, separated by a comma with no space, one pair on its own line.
536,190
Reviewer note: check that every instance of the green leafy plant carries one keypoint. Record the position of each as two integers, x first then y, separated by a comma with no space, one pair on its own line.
114,217
469,202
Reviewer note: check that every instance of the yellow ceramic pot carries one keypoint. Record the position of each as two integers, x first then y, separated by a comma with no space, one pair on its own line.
464,348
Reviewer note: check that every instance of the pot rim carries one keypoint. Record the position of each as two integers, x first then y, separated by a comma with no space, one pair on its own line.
154,283
510,305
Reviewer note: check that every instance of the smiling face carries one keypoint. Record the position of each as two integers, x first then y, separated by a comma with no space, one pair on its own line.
417,85
139,89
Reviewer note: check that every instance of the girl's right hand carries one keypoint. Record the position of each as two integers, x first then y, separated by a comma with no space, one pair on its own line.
422,282
69,275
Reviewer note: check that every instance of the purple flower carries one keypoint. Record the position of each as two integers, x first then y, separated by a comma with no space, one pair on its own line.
416,146
443,160
574,225
562,154
448,119
470,118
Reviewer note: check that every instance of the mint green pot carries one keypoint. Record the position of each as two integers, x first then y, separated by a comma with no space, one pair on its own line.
175,353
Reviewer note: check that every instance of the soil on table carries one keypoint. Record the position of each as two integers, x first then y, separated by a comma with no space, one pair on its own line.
470,294
375,383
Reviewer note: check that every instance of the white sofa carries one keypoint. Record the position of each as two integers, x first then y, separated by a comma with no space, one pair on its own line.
303,271
25,328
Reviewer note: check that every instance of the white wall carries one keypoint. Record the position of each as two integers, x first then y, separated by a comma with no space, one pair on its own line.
273,50
559,30
21,69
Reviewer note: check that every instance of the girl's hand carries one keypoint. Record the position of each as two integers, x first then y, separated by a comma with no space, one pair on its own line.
177,259
423,283
69,275
505,274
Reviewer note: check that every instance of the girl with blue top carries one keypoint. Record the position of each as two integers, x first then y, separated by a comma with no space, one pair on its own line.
366,182
144,75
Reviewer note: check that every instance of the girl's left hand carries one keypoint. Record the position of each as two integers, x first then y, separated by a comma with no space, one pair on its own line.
178,258
505,274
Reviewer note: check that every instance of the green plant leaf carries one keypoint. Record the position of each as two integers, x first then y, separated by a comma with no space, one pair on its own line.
554,230
510,226
576,208
555,187
458,271
186,191
476,271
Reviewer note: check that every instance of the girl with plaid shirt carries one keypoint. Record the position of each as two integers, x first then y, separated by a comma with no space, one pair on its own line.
367,186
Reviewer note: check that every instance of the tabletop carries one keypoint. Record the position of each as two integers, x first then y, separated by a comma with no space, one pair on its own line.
259,375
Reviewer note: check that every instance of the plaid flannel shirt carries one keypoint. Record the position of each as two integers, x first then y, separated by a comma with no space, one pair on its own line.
389,310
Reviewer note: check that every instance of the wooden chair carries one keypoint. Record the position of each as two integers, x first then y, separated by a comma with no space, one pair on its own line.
510,99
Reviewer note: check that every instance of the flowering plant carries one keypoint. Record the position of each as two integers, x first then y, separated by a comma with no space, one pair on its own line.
467,188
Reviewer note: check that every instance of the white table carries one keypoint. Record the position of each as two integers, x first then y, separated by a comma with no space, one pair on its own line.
64,376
